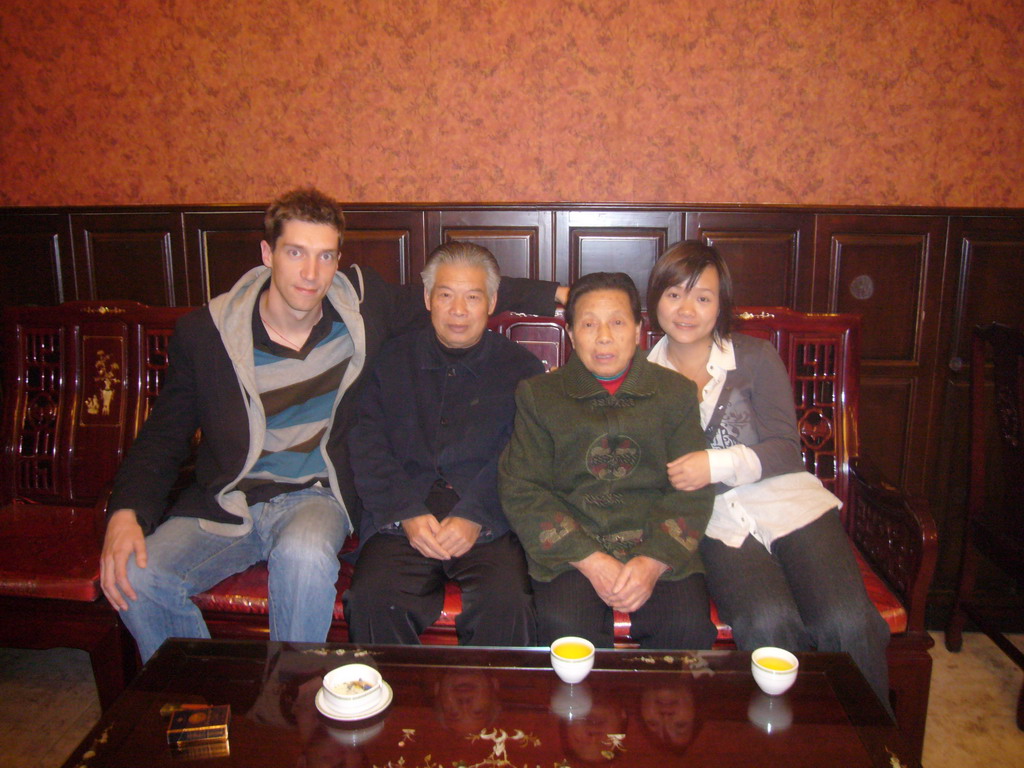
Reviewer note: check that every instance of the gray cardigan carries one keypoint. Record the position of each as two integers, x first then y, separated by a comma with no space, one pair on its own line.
760,412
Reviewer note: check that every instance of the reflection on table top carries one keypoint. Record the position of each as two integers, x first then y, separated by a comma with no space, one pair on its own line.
500,707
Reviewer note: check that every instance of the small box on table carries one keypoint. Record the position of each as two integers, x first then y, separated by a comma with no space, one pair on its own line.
195,726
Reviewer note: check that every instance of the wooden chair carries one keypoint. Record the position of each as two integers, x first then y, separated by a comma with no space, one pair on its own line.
66,422
995,504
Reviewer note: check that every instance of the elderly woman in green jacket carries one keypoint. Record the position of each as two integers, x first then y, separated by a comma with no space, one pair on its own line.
584,484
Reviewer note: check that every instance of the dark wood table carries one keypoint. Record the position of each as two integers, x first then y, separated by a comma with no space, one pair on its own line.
496,707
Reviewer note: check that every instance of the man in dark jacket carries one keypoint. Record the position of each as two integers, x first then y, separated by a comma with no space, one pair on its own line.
269,373
432,421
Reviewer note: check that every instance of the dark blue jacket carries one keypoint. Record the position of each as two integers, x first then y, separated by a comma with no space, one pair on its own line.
423,417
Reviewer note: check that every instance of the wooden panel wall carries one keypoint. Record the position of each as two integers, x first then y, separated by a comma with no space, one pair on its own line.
519,240
219,247
920,278
603,241
770,255
985,278
35,258
888,269
130,254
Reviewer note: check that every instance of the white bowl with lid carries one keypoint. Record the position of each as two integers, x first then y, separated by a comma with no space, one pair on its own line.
352,688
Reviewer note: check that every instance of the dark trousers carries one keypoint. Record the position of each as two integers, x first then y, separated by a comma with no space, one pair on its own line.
396,593
806,594
676,616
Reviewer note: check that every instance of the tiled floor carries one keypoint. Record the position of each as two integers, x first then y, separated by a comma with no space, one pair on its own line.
48,703
972,708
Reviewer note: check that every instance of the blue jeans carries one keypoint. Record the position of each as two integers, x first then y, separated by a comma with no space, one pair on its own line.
299,534
807,594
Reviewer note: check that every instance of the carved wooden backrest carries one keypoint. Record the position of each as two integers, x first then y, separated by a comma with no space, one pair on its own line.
152,328
79,381
821,353
82,377
66,404
545,337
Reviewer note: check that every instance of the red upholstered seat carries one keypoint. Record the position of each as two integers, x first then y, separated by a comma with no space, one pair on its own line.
246,592
49,552
885,601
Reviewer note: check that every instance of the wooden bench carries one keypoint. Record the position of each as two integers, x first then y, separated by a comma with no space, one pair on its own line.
81,379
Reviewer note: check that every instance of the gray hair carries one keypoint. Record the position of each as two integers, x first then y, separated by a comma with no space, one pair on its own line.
469,254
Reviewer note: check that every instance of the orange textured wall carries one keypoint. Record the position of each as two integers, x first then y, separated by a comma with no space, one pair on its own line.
890,102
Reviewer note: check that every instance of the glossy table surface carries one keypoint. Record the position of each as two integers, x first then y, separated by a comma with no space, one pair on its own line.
499,707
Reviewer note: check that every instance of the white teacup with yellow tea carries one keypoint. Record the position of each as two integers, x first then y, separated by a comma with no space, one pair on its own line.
774,669
572,658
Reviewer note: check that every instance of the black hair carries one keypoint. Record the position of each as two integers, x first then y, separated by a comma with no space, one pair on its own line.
683,264
603,281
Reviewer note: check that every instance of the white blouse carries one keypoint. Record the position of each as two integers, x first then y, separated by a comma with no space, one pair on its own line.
765,509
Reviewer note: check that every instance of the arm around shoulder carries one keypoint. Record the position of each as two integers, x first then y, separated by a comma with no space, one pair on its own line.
531,297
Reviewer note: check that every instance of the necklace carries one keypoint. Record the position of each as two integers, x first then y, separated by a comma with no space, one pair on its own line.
270,327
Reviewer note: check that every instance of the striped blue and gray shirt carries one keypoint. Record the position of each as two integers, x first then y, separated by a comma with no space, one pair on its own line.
298,389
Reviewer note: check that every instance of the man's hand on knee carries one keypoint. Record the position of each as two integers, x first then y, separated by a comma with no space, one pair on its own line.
458,535
124,538
422,532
